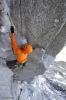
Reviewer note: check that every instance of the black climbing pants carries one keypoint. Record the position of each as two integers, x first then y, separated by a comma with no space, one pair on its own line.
13,63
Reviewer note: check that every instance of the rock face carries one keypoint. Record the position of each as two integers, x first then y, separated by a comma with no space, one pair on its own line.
38,20
58,43
43,23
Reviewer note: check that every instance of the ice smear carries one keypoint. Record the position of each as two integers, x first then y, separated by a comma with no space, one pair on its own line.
5,81
47,60
5,20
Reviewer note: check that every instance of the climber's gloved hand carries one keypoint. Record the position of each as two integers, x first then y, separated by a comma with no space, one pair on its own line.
12,29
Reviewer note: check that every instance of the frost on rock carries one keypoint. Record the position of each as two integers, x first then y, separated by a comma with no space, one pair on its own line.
5,81
47,60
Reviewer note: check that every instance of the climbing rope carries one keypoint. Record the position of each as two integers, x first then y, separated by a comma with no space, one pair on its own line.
11,25
10,19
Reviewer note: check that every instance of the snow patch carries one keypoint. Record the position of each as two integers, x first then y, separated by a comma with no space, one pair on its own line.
58,75
61,56
2,29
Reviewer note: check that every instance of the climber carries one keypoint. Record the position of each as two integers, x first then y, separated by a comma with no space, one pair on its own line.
21,53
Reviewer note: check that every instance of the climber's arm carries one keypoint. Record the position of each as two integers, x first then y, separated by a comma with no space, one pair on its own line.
14,44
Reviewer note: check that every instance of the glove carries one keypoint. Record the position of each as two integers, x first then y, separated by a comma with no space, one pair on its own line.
12,29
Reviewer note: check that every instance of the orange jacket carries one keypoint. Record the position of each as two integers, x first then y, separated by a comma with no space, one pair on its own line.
21,55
